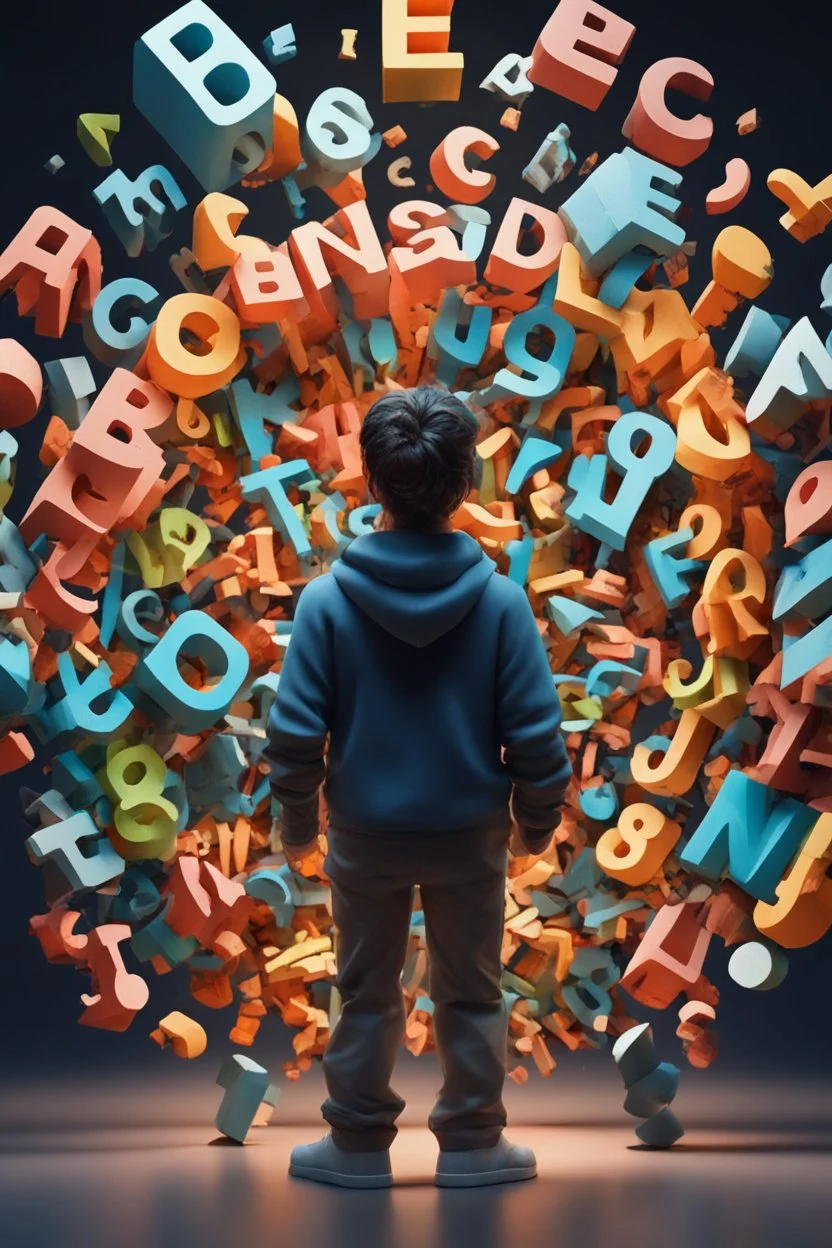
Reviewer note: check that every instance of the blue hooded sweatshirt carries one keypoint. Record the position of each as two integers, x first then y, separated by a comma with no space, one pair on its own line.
420,662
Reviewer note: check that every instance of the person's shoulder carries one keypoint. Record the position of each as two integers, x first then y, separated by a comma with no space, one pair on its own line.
505,594
316,585
319,592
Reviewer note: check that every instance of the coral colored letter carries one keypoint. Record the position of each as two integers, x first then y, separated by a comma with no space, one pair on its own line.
450,172
54,267
653,129
577,49
354,254
21,384
515,270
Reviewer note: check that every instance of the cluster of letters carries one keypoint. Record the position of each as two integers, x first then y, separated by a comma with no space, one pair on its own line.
669,514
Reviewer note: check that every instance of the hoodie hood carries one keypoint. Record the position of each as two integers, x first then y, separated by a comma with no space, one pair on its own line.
416,586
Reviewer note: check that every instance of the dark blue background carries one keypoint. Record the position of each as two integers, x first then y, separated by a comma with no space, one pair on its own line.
58,61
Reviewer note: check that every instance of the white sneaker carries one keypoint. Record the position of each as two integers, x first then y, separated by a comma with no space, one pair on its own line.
325,1162
478,1167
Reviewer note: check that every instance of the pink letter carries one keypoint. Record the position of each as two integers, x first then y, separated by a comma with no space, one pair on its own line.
577,49
354,253
21,385
54,266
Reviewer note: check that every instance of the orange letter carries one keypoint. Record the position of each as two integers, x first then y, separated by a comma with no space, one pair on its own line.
416,63
675,770
802,913
712,438
216,243
181,371
635,849
431,260
723,613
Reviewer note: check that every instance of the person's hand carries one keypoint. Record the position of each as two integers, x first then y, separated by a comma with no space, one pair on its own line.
308,859
519,848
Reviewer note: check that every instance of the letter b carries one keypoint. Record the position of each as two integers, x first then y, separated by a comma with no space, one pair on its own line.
207,95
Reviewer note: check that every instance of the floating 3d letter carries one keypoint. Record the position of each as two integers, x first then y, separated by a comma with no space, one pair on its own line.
206,93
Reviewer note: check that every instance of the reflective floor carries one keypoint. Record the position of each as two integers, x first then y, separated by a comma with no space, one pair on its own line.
130,1163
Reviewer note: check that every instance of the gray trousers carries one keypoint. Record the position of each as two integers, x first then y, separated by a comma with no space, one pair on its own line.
461,877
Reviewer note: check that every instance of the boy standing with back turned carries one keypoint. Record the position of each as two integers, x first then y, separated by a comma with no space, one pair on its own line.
426,670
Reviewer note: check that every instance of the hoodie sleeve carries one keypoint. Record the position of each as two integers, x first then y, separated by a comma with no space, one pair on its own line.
529,718
299,722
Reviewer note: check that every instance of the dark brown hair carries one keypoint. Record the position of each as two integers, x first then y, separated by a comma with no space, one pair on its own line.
419,457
